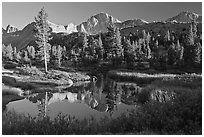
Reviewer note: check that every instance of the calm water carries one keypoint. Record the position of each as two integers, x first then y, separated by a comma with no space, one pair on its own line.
105,97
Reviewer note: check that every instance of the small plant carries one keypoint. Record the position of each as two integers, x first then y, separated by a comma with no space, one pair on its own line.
27,70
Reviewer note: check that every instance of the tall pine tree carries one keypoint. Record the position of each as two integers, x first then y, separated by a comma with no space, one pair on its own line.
43,36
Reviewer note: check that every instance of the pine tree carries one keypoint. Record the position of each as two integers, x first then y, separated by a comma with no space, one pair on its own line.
190,36
101,49
181,56
144,35
172,37
59,54
9,52
148,38
157,43
189,48
178,46
43,36
64,49
194,28
140,43
84,46
85,42
3,50
54,51
129,53
119,50
64,53
172,54
31,52
197,54
167,36
54,54
15,53
179,50
114,48
25,57
148,52
18,56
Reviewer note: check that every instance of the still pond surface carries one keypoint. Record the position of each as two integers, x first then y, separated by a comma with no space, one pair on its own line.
105,97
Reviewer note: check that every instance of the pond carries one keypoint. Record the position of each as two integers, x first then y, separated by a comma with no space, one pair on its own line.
105,97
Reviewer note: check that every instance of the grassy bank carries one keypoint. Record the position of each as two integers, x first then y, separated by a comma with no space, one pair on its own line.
182,114
31,78
143,76
139,77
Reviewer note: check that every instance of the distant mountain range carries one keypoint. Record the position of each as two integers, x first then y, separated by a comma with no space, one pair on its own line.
186,16
94,25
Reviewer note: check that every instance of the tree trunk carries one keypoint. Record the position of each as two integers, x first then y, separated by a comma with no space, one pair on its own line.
45,54
59,62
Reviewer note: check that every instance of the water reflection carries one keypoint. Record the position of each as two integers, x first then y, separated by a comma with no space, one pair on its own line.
105,95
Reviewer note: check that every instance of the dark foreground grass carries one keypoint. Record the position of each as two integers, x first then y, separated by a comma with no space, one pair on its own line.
180,115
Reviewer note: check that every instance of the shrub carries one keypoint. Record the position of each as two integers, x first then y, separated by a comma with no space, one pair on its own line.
27,70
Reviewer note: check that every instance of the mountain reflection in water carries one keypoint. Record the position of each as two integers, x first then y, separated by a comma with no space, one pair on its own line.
104,96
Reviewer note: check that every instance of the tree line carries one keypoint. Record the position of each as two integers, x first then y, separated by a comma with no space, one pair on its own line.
111,48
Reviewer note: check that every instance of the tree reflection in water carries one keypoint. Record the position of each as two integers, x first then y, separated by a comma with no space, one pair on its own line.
103,96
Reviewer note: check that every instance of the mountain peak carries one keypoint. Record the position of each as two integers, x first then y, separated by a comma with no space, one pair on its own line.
11,28
97,23
189,14
57,28
104,15
185,16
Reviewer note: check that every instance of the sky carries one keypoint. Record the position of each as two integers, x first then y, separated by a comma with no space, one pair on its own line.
19,14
